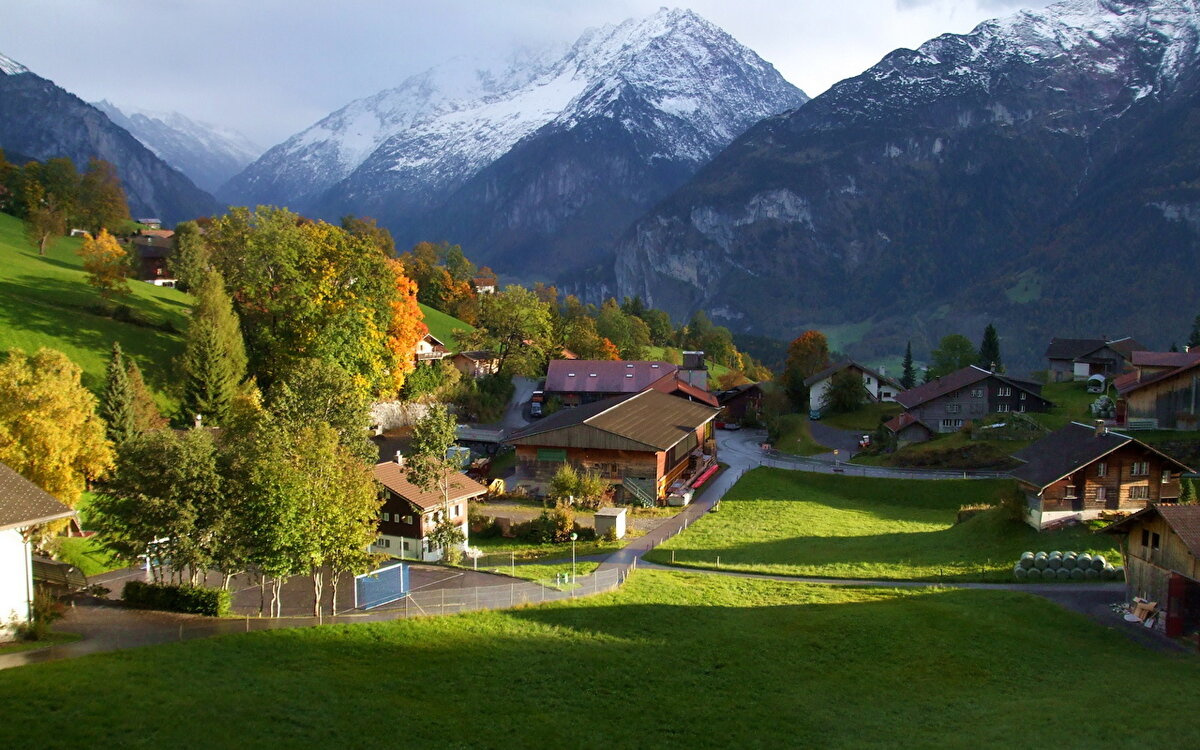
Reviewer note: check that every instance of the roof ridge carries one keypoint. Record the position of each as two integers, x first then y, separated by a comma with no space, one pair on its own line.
588,420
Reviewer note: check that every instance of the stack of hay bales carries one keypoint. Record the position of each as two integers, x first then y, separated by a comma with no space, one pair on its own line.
1065,566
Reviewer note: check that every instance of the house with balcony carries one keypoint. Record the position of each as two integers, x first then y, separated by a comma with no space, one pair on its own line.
410,513
431,349
648,445
1080,471
946,403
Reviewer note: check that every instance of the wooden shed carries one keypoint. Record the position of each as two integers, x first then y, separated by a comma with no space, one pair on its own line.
1161,547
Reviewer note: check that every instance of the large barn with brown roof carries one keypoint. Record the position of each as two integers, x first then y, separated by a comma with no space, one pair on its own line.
648,444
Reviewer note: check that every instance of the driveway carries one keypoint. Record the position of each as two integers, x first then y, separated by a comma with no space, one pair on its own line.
515,414
845,441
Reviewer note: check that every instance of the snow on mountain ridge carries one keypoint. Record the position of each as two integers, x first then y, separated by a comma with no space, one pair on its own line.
11,67
440,127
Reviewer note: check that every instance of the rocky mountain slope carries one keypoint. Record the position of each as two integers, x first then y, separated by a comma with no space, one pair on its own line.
42,121
208,154
1040,171
535,166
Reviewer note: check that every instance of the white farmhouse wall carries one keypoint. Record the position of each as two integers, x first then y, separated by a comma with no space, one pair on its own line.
16,582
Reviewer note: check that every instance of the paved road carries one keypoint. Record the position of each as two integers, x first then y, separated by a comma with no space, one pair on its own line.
745,446
517,410
845,441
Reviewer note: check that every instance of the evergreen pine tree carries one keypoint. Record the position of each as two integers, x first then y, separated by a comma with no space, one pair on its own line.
908,377
1174,347
1194,338
214,361
989,350
146,415
116,405
1187,492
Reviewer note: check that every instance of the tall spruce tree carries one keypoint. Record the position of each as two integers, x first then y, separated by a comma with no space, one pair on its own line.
1194,336
214,361
117,404
989,350
146,415
908,376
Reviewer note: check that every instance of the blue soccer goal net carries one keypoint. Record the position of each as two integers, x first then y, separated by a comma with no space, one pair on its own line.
381,586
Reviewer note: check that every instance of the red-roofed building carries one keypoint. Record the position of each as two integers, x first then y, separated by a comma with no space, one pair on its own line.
581,381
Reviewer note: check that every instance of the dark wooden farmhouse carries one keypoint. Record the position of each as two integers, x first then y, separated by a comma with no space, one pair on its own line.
945,404
648,445
1079,359
738,402
410,513
1080,471
1161,548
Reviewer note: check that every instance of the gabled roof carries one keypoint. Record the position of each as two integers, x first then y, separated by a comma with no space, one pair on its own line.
395,477
900,421
23,503
478,356
1184,520
605,376
839,366
434,339
1125,346
1129,385
724,397
957,380
683,389
1066,450
651,419
1073,348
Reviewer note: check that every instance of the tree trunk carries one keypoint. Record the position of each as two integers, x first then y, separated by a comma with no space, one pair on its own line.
317,584
276,589
262,593
333,585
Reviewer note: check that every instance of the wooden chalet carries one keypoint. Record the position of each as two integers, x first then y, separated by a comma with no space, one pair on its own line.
431,349
1079,359
946,403
739,401
476,364
1080,471
410,513
1161,548
648,444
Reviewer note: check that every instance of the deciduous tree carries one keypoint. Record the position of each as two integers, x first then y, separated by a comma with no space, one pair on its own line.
107,264
102,205
954,352
808,354
406,326
49,430
845,392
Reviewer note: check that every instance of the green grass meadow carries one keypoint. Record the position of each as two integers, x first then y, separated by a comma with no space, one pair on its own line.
797,523
670,660
47,302
442,326
795,437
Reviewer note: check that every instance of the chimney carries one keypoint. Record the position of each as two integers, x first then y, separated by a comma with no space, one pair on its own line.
1101,430
199,421
400,458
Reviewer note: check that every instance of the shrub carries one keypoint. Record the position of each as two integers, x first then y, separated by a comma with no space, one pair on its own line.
46,609
585,533
969,511
553,525
194,600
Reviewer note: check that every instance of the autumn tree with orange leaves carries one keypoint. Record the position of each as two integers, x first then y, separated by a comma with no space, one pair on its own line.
407,326
808,354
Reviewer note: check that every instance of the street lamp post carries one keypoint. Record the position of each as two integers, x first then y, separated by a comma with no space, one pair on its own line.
574,536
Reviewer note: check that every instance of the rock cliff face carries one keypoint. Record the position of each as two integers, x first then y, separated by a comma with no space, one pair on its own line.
535,167
41,121
1040,171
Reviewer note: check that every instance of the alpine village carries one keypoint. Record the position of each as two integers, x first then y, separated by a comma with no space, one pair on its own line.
620,394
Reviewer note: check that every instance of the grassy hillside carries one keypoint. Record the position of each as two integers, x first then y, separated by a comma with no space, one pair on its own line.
442,325
46,302
796,523
715,369
671,660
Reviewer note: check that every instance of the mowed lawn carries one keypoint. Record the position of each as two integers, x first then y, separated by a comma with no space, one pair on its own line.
804,524
47,302
443,326
671,660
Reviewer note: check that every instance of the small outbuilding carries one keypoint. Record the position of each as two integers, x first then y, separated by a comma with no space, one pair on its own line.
611,519
1161,547
23,505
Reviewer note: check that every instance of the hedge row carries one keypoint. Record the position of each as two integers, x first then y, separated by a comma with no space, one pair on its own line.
190,599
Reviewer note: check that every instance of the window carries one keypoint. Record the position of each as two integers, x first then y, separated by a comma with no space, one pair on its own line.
976,393
1101,494
381,542
405,546
1140,469
1002,408
953,408
1101,469
951,424
1166,476
1004,390
408,519
1140,492
1145,538
1154,540
1022,395
387,516
454,511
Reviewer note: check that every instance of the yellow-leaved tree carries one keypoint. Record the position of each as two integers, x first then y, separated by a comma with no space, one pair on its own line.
407,325
106,263
49,430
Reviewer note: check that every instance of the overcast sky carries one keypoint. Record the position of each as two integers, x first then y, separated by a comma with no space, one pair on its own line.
270,68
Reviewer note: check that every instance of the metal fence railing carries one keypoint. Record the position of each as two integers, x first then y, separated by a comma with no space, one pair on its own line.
778,460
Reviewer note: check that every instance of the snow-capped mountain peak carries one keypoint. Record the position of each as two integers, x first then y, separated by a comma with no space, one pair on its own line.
11,67
438,128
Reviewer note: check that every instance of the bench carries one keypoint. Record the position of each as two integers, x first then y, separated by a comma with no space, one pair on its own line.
56,573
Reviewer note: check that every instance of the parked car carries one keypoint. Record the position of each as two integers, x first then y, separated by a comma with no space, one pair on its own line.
815,414
535,409
864,442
